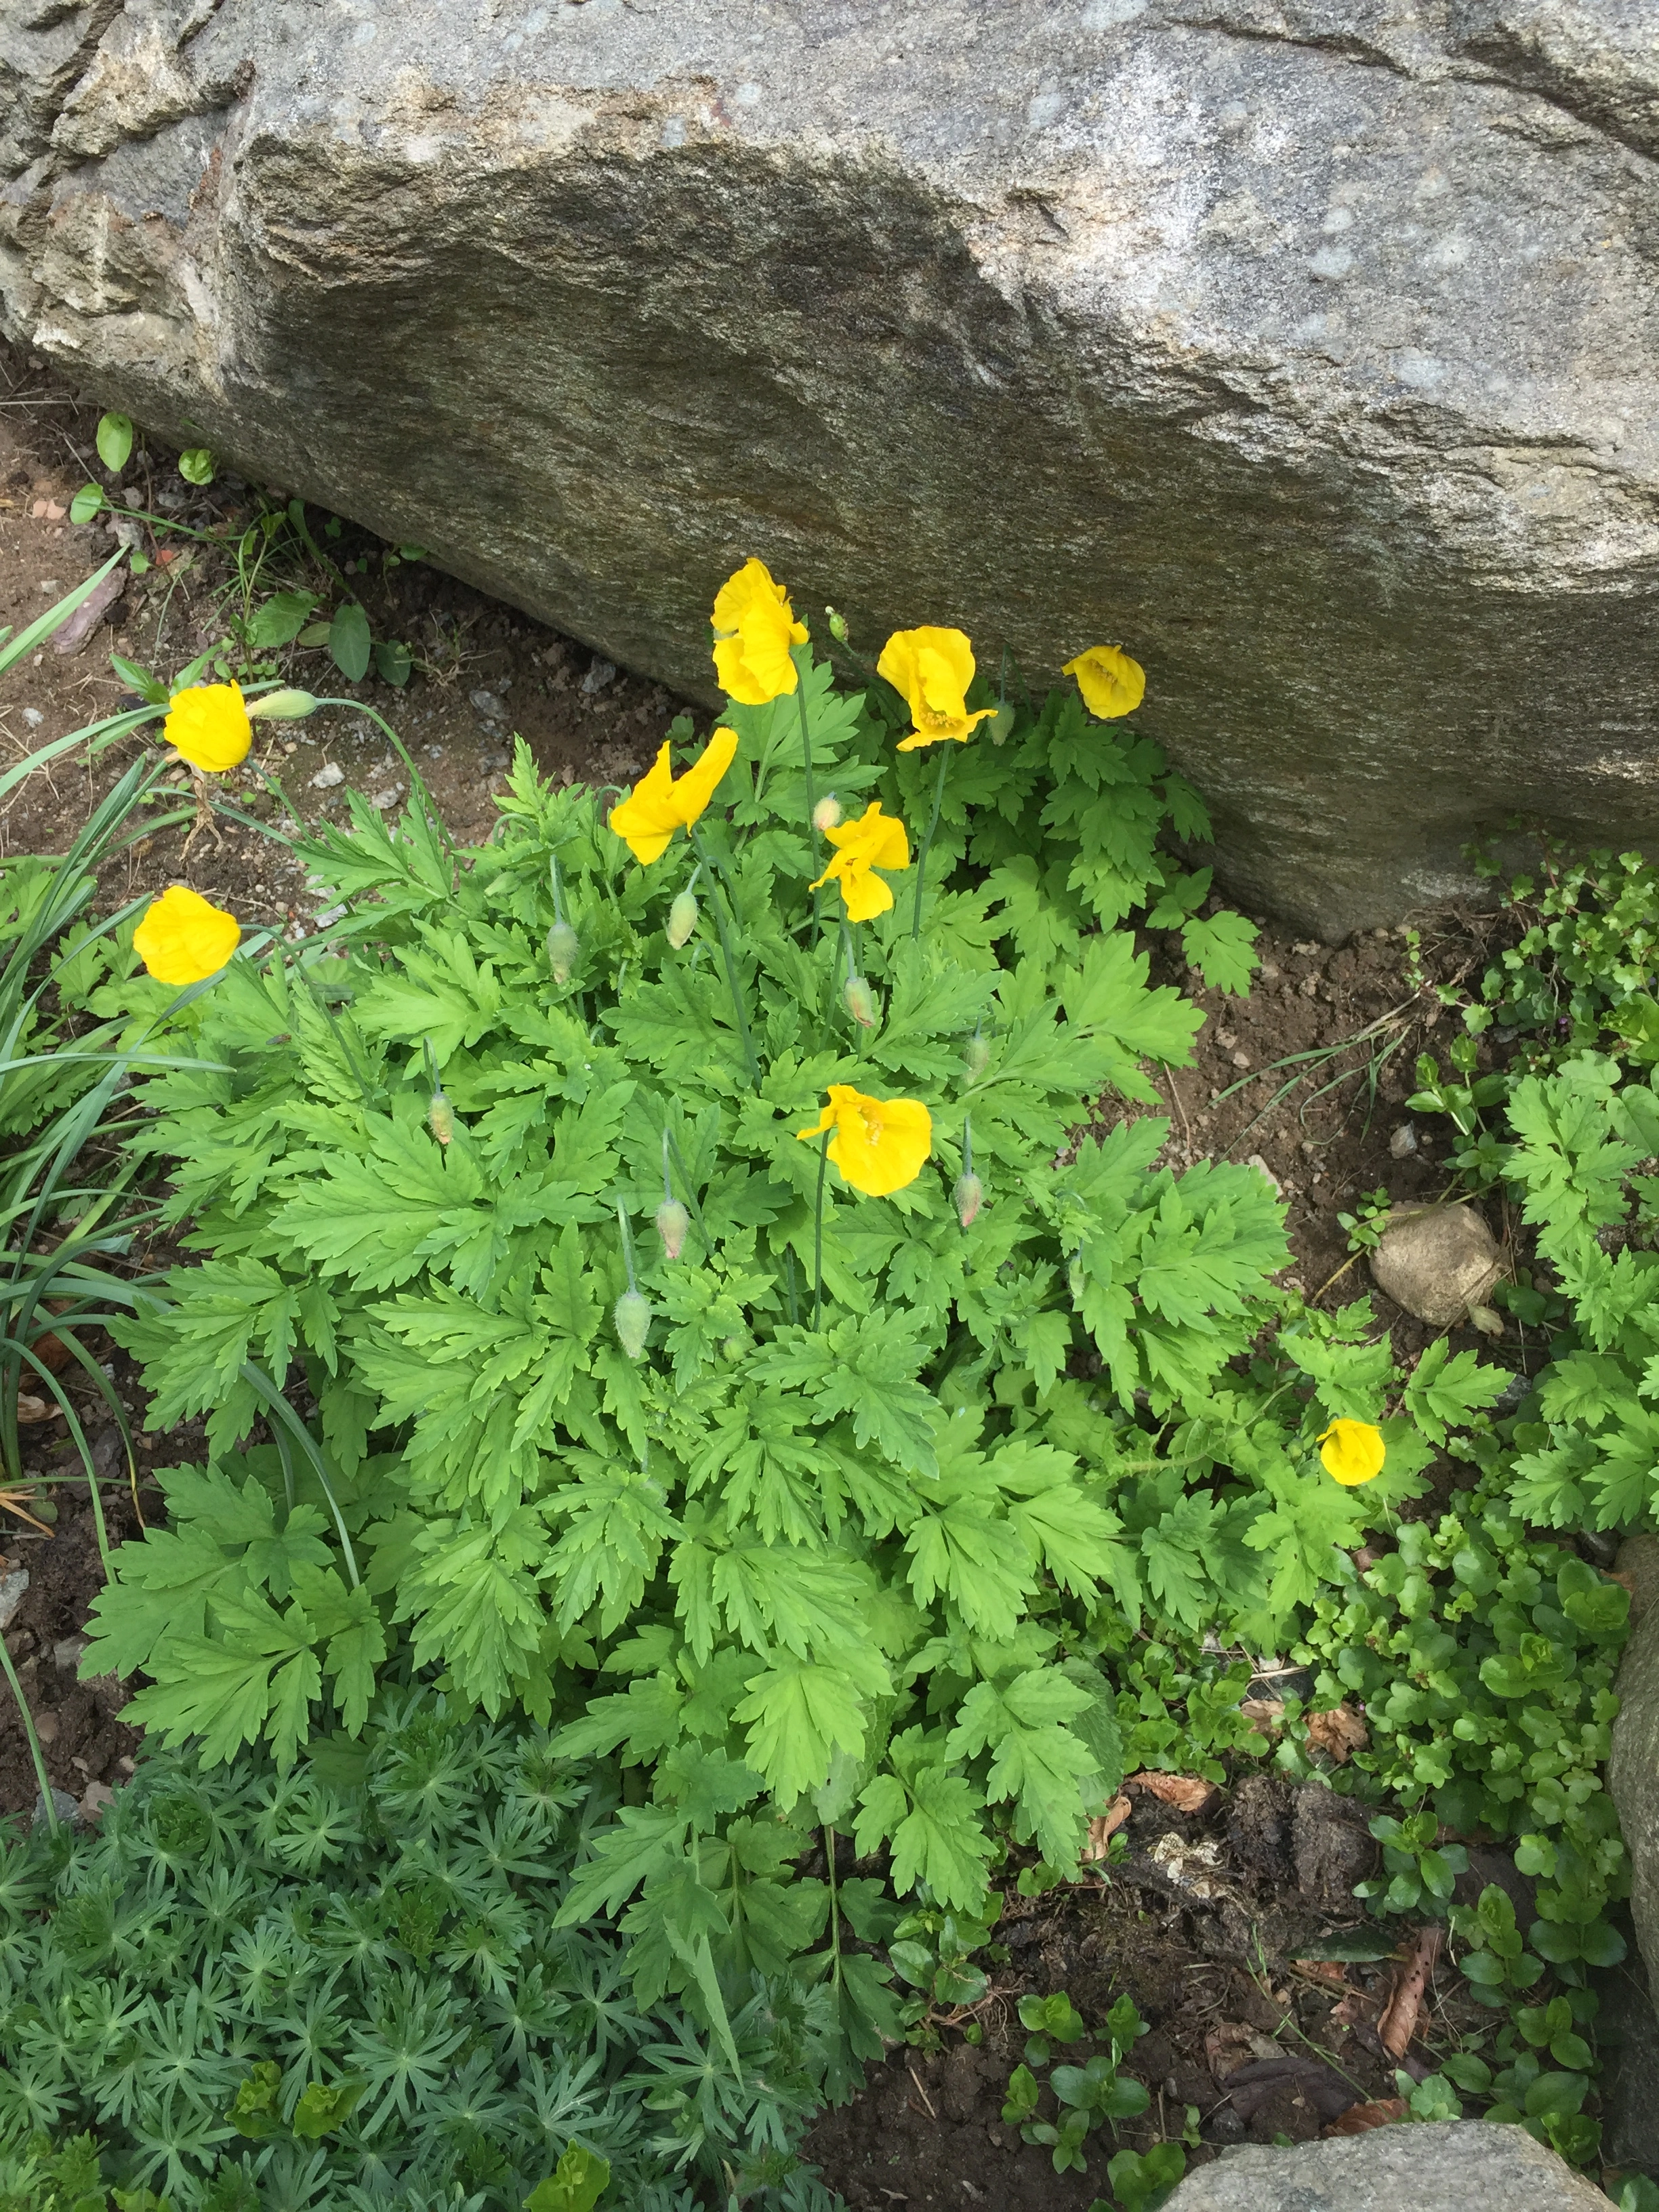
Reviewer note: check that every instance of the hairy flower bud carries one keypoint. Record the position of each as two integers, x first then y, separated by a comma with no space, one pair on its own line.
440,1118
632,1315
859,1001
682,918
826,815
673,1222
562,946
837,626
967,1198
976,1057
282,707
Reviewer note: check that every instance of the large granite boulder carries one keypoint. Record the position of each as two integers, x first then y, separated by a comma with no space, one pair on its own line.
1460,2165
1308,349
1633,1762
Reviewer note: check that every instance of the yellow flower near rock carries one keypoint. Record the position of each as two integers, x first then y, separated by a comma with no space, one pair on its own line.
880,1145
1352,1452
933,670
208,725
874,841
1111,683
661,802
754,627
184,938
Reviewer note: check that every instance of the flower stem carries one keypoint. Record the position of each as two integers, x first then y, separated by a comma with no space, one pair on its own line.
817,1231
802,657
35,1753
733,982
921,857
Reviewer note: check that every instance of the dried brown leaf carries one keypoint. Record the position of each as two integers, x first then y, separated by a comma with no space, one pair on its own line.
1328,1971
1227,2047
1342,1732
1381,2112
1263,1714
1186,1792
1105,1825
1402,2015
31,1408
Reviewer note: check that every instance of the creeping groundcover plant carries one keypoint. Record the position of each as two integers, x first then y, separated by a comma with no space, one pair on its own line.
703,1267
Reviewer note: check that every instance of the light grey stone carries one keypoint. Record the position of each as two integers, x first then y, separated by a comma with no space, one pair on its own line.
13,1587
1460,2166
1633,1759
1306,348
1437,1262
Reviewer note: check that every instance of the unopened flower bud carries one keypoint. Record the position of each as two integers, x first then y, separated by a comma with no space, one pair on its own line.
440,1118
967,1198
837,626
562,946
673,1222
282,707
632,1315
682,918
859,1001
976,1057
826,815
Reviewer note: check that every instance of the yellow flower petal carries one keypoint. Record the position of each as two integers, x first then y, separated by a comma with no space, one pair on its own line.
660,802
209,727
184,939
933,668
1111,683
880,1145
1352,1452
754,627
874,841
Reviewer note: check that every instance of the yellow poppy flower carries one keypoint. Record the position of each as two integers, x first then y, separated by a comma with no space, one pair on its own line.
1111,683
184,939
754,627
1353,1452
933,668
874,841
661,802
209,727
880,1143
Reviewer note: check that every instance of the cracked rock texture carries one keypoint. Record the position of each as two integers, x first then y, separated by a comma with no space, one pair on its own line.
1311,351
1457,2165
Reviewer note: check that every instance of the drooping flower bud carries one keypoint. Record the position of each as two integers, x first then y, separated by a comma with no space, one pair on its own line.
682,918
860,1002
673,1222
837,626
440,1118
282,707
632,1315
562,947
826,815
976,1056
967,1198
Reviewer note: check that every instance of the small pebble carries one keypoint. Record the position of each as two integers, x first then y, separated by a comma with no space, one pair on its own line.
1403,1143
13,1587
1256,1161
1308,985
492,708
598,676
327,776
1240,1059
33,717
45,1727
69,1651
98,1796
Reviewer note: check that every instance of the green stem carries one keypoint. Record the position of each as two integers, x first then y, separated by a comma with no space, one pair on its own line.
35,1753
802,657
921,857
834,1906
818,1231
729,956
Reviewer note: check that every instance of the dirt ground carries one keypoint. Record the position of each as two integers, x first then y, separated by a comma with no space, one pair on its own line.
1259,2046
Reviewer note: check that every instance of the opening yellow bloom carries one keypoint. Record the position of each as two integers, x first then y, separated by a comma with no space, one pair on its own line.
880,1144
661,802
184,939
209,727
933,668
874,841
754,627
1353,1452
1111,683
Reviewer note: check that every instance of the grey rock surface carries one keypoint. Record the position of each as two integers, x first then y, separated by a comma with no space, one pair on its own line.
1462,2165
1633,1765
1435,1262
1308,349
